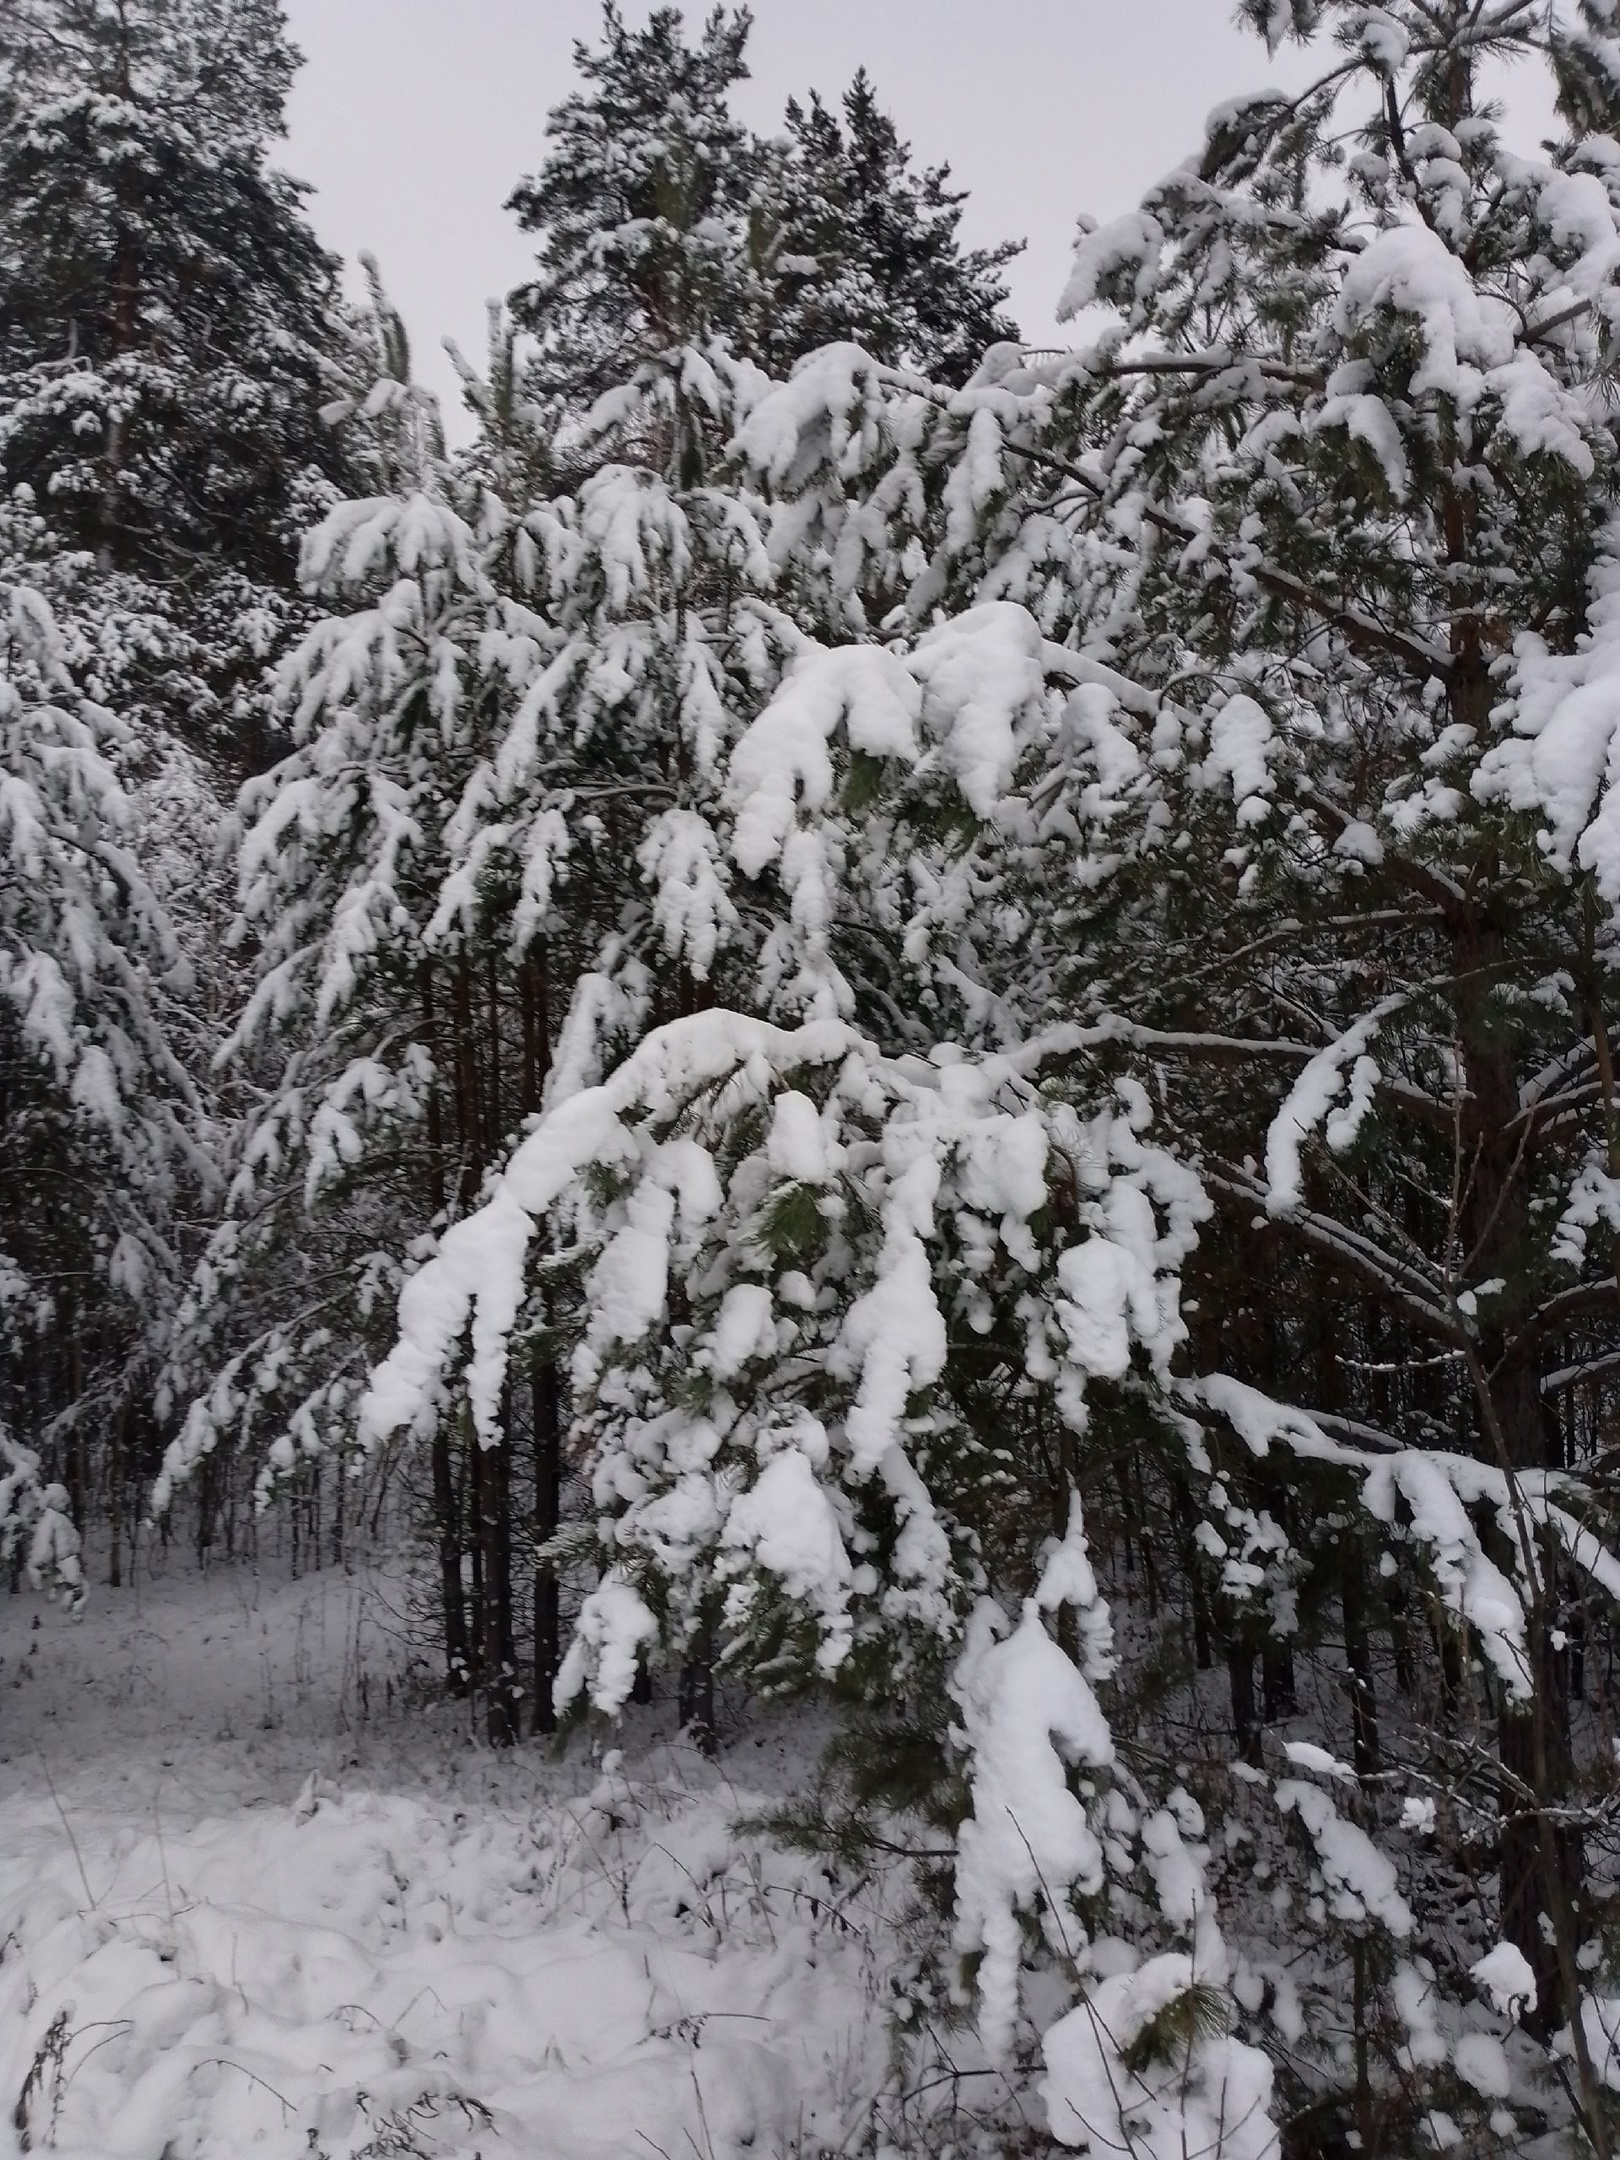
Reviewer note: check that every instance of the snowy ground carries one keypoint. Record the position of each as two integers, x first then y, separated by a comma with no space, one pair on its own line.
250,1904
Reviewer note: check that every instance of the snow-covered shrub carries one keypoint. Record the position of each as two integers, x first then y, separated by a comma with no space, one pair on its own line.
36,1529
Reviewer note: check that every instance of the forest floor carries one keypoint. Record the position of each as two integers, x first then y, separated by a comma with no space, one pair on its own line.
255,1901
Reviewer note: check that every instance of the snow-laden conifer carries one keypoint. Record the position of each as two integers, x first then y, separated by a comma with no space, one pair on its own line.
102,1123
1326,481
167,308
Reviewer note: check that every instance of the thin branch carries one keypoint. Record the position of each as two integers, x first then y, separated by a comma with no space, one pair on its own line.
1361,632
1395,1283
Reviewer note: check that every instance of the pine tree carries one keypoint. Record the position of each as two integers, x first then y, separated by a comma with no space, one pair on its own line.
890,274
662,218
1331,495
536,853
486,866
169,335
642,204
1413,513
101,1123
169,326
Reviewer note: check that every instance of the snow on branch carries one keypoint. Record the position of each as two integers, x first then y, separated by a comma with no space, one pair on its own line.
831,1218
1435,1498
1310,1101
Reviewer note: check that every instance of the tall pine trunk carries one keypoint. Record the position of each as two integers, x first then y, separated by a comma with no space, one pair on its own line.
1541,1846
545,1385
546,1397
446,1515
498,1657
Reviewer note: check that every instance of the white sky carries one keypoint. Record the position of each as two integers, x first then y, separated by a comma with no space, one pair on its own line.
414,118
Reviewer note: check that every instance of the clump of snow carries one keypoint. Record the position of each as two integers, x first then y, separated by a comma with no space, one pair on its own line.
1306,1755
1242,747
1068,1578
477,1274
1482,2063
35,1515
1561,762
1310,1101
1360,1881
1409,270
784,762
981,674
1210,2094
787,1524
798,1146
1417,1999
613,1628
1134,241
1028,1715
1504,1978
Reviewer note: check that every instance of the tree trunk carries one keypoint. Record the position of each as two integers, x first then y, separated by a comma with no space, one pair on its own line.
499,1658
123,323
447,1518
473,1468
1358,1663
1245,1723
545,1382
469,1123
1357,1648
115,1495
1541,1853
447,1524
547,1521
1278,1693
696,1699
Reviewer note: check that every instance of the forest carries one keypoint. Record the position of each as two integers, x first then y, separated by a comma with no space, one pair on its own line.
869,1072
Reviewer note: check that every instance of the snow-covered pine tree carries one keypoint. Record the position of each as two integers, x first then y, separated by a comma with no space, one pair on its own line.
169,331
101,1127
672,242
609,643
642,205
509,734
37,1534
661,217
891,274
1331,486
1369,445
337,871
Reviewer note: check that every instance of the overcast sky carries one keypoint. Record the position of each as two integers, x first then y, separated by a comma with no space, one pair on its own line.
414,118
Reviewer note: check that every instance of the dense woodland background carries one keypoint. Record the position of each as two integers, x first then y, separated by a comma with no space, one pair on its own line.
848,985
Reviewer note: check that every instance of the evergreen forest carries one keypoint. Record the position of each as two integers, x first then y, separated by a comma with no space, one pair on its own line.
852,1043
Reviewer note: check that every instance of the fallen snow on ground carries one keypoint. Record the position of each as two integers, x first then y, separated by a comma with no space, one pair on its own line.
363,1966
222,1684
231,1929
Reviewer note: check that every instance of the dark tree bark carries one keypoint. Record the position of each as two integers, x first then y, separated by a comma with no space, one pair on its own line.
546,1396
1245,1719
499,1655
446,1514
